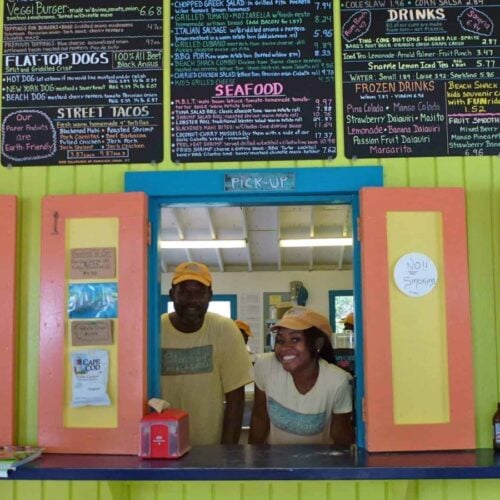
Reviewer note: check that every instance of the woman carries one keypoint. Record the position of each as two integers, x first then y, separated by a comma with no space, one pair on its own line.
300,397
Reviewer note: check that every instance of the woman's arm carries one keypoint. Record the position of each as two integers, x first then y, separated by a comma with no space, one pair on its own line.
341,430
259,423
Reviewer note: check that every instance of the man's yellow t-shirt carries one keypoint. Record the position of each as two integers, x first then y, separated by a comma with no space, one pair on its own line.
198,368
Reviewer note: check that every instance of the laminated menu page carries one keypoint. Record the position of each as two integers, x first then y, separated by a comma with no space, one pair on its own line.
12,457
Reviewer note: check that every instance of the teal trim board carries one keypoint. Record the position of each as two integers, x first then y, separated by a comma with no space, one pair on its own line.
207,183
252,187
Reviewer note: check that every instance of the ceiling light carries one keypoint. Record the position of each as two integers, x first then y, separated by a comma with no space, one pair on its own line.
185,244
316,242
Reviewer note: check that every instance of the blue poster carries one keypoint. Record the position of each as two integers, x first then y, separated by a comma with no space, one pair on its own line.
93,300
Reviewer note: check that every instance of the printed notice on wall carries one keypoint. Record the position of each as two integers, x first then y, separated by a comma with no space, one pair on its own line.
421,77
92,332
252,80
88,263
82,82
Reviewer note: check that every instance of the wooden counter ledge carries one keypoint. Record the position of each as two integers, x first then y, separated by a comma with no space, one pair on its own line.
242,462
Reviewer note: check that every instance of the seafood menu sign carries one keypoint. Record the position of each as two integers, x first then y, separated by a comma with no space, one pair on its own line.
252,80
82,82
421,77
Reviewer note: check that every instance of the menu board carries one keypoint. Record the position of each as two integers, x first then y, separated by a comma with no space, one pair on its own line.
252,80
82,82
421,77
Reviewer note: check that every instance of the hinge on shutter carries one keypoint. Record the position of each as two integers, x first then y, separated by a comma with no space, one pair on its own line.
55,216
358,231
363,410
149,233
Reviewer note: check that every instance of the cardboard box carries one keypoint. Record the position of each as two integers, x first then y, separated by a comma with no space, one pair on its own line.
165,434
282,308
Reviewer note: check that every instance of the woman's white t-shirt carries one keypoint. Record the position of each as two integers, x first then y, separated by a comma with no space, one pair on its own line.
297,418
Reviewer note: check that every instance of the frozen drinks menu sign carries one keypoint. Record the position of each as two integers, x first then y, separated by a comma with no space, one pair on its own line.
252,80
82,82
421,77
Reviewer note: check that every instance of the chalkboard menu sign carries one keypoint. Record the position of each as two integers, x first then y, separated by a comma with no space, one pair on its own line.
82,82
421,77
252,80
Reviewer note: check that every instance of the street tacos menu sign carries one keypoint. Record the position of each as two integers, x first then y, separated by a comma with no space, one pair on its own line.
421,77
252,80
82,82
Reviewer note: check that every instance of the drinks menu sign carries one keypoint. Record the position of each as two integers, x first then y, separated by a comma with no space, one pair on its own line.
82,82
421,77
252,80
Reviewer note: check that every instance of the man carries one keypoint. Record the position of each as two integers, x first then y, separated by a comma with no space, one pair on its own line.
245,330
203,360
246,333
348,322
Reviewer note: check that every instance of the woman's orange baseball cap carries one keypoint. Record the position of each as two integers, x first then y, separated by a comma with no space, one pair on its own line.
302,318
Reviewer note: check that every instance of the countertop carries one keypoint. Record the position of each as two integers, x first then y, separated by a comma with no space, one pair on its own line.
244,462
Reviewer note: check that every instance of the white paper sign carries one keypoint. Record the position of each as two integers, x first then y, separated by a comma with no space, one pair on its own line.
415,274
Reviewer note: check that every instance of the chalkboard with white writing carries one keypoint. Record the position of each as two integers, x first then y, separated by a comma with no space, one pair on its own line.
421,77
252,80
82,82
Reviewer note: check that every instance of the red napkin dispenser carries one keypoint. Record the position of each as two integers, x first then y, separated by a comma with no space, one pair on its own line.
165,434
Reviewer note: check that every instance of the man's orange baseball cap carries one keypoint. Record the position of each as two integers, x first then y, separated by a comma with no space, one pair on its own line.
194,271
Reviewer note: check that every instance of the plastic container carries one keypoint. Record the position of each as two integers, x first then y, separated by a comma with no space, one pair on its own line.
344,340
165,434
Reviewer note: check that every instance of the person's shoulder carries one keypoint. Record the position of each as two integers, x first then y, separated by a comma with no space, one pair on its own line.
264,363
217,318
222,331
221,323
332,370
265,358
267,362
165,320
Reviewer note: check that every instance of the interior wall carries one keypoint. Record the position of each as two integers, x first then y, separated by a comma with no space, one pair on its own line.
252,285
317,284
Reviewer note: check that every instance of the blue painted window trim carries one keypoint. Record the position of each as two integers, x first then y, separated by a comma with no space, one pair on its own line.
233,301
332,295
322,185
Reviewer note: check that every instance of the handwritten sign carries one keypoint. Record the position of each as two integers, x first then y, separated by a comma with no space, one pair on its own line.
92,332
82,82
283,181
93,263
415,274
252,80
421,78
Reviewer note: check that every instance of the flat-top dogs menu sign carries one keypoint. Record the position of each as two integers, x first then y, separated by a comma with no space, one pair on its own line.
82,82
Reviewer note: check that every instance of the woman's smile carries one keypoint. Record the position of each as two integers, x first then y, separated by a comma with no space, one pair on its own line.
291,350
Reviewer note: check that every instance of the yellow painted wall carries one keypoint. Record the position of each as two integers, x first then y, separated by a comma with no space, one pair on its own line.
479,176
456,489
